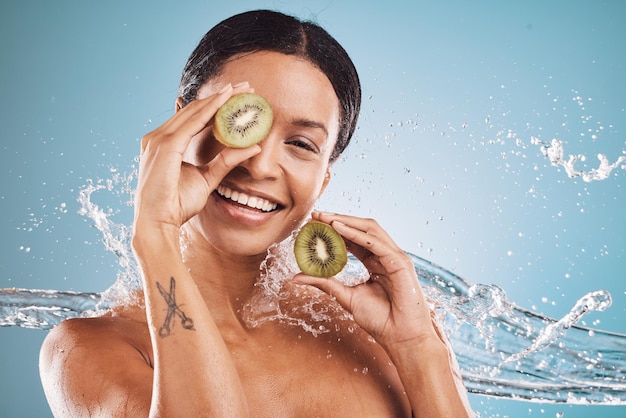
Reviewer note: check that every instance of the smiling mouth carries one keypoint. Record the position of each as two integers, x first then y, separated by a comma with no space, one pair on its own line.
246,200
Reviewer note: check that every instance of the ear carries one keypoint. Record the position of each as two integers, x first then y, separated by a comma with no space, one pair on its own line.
325,182
179,103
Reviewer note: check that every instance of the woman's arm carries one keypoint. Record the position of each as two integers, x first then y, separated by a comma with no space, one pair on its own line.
193,371
95,367
194,374
392,308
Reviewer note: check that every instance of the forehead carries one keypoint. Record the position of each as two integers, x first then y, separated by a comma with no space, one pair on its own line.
294,87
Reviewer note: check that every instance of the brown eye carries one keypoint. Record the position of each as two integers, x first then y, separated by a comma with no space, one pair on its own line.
301,143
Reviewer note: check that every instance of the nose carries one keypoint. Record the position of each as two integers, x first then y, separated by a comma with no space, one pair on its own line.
265,165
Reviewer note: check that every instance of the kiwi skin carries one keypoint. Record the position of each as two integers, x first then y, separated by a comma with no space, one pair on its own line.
320,251
244,120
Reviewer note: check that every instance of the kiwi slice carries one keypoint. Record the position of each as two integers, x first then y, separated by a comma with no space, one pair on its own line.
244,120
320,250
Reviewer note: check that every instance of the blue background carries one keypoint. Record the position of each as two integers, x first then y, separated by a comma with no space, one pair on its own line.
453,93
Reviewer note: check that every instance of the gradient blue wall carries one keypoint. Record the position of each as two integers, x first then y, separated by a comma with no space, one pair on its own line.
453,93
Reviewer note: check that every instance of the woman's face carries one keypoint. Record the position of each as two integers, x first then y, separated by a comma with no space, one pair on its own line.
283,181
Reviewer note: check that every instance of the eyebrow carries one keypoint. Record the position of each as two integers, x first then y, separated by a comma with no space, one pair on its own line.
307,123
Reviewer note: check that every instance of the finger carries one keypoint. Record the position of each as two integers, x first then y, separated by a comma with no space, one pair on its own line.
364,224
341,222
371,244
225,162
243,87
383,259
365,244
332,287
371,231
201,111
189,121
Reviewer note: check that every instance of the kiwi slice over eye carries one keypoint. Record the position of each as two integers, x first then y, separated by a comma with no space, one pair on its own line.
244,120
320,250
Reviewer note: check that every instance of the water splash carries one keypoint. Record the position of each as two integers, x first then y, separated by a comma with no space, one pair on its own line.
555,154
592,301
271,301
580,366
44,309
503,350
115,236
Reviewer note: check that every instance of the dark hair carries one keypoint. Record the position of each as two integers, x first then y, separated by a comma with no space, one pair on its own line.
264,30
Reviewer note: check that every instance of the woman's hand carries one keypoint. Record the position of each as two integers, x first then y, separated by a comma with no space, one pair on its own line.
170,191
390,306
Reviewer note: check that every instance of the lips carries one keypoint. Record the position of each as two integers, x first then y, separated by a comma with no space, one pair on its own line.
244,199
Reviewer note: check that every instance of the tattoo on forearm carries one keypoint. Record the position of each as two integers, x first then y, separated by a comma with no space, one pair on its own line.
173,309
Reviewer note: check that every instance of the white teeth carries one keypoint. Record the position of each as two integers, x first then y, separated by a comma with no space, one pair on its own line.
227,193
243,199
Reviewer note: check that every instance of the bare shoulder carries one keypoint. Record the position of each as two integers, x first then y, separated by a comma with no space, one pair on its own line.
97,366
96,335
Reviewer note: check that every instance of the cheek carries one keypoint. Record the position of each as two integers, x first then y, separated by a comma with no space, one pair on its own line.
307,187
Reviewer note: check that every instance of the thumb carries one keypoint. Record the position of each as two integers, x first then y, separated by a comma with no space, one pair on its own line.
225,161
331,286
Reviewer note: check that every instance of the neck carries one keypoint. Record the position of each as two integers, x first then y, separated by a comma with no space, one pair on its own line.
225,280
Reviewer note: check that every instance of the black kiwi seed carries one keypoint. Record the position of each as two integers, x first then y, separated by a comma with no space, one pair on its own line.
244,120
320,251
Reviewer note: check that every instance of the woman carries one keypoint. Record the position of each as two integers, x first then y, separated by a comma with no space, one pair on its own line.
188,352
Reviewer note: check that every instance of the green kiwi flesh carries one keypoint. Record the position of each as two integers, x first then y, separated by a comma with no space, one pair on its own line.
320,251
244,120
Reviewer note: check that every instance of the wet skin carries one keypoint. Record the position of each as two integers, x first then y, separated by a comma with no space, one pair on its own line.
188,352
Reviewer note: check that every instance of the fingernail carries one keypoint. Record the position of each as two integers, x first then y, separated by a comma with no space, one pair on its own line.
226,88
337,223
242,84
